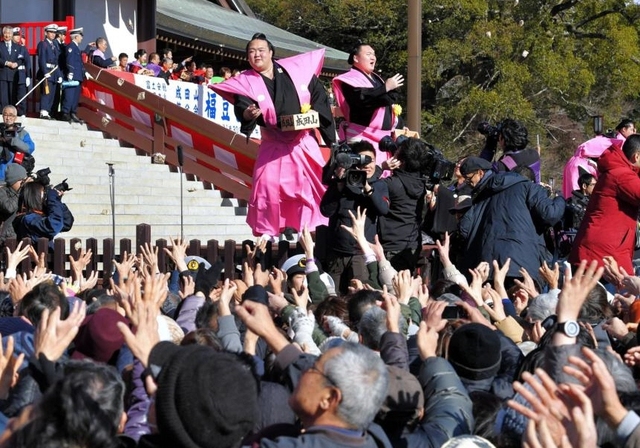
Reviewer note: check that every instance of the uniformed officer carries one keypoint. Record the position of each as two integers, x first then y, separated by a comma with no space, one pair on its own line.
74,71
60,42
48,54
24,71
8,68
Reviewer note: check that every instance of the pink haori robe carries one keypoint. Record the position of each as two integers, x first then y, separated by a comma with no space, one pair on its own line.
354,132
582,160
287,187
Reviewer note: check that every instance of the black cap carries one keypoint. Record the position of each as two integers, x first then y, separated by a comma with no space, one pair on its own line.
473,164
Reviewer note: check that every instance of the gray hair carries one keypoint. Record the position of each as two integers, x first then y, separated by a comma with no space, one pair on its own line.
363,380
372,326
542,306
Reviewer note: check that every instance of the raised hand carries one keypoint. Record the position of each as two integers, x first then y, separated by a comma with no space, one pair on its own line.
551,276
394,82
177,253
78,265
527,284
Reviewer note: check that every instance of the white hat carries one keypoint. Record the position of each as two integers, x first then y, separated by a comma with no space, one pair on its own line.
76,31
194,262
295,265
52,27
16,31
62,30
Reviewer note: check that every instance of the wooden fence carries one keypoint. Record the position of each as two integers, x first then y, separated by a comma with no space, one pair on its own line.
230,252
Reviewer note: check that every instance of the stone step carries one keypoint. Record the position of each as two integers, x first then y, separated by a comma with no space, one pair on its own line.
144,192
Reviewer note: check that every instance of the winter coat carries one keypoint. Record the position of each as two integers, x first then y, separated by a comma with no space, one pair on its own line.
609,225
400,228
58,218
336,205
507,219
8,209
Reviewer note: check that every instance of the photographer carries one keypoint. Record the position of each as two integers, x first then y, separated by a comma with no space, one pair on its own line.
399,230
15,177
512,136
344,259
16,145
41,213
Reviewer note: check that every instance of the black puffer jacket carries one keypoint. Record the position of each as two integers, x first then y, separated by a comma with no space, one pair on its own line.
507,219
400,228
336,204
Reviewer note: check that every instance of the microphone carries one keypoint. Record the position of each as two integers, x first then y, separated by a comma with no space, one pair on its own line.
180,159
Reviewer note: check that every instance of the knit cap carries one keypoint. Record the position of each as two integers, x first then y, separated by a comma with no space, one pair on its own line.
205,398
474,352
14,173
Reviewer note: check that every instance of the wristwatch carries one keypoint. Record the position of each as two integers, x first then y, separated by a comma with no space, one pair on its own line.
571,328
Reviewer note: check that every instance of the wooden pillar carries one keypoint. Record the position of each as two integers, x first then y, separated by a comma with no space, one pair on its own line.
146,25
62,9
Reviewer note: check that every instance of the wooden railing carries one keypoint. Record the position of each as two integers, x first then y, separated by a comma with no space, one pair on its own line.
229,252
155,137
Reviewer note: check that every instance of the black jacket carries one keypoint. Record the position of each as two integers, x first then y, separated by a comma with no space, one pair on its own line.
336,204
400,228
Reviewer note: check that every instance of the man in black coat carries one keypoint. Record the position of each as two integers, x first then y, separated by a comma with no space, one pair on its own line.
507,219
344,259
399,230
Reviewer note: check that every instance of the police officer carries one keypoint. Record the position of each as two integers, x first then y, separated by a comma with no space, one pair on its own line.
60,43
8,67
48,54
74,71
24,71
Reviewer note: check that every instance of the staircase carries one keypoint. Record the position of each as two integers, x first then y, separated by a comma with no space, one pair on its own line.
144,192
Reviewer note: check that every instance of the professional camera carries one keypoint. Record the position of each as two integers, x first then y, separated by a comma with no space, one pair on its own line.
437,168
343,157
8,134
490,131
42,177
388,144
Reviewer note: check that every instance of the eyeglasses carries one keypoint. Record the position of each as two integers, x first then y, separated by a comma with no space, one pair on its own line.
313,368
468,177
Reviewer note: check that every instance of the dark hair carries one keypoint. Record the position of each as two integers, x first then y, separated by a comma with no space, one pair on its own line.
152,56
485,410
207,315
45,295
261,36
362,145
140,52
123,55
31,197
413,155
224,71
525,172
442,286
332,306
629,148
514,133
360,302
625,123
166,51
596,307
355,50
203,336
585,178
82,409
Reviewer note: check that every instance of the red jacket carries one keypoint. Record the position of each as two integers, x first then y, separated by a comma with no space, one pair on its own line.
609,225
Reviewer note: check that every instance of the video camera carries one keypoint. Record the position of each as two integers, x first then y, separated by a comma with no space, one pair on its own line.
343,157
435,168
42,177
8,134
489,130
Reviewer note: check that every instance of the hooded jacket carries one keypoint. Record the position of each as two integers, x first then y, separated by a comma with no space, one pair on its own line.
609,225
400,228
336,205
507,219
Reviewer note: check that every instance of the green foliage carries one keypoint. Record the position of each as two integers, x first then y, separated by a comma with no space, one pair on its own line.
550,63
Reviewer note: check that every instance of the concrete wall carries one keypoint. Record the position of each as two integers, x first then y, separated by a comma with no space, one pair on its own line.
113,19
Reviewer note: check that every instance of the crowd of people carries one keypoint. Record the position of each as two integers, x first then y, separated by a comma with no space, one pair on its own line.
351,342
